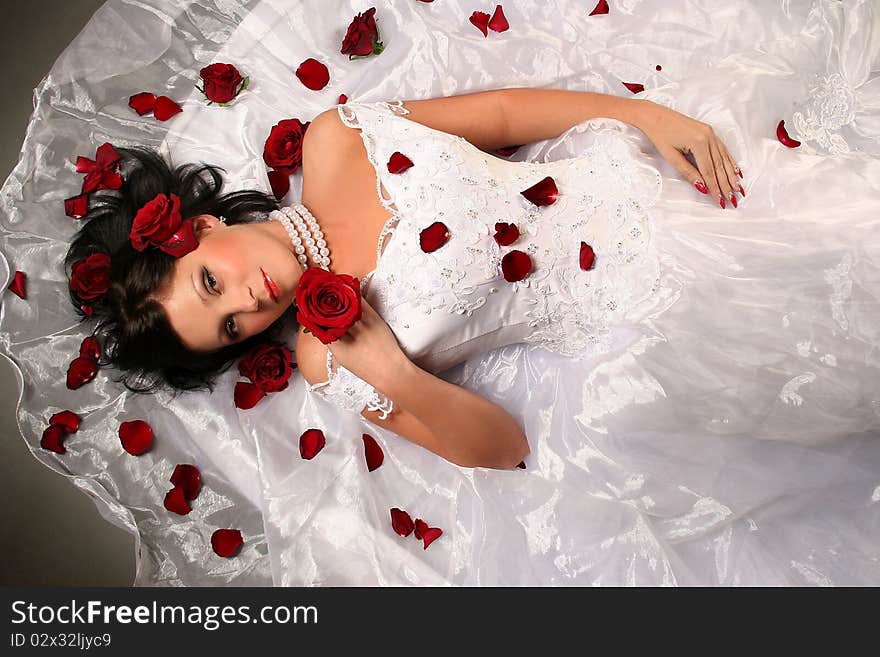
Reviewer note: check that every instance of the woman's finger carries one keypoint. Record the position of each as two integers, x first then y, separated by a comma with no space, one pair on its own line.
725,181
731,167
703,156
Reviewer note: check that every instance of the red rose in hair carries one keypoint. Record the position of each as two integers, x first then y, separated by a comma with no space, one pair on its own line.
283,149
362,37
159,223
90,277
222,82
268,366
328,304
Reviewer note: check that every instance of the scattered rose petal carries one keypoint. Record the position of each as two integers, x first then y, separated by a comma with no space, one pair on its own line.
426,534
67,419
165,108
658,67
587,256
635,87
498,23
481,20
102,172
280,182
226,542
188,478
342,99
76,207
433,237
87,309
516,265
782,136
142,103
401,522
505,233
136,437
362,37
601,8
310,443
398,163
313,74
176,502
53,438
544,192
247,395
507,150
521,464
18,286
80,371
90,348
373,452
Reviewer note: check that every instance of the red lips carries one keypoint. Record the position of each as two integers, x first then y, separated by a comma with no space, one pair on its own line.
271,286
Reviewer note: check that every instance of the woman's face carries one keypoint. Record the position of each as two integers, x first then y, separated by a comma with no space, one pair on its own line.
218,294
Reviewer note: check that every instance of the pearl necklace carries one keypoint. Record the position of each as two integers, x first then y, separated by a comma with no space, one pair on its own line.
305,233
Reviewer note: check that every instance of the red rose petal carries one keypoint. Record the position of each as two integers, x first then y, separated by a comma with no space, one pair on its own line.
188,478
280,182
507,150
342,99
430,535
110,180
505,233
601,8
516,265
67,419
401,522
420,526
373,452
18,286
226,542
433,237
90,348
521,464
142,103
76,207
398,163
53,438
80,371
136,437
311,442
88,310
544,192
165,108
481,20
176,502
635,87
313,74
247,395
182,241
587,256
782,136
499,23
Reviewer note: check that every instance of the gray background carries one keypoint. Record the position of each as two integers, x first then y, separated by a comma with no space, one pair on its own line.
52,534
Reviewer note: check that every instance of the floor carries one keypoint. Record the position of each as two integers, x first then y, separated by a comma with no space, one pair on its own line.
52,534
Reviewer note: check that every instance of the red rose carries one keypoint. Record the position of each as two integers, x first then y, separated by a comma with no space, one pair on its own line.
283,149
90,277
159,223
362,37
221,82
328,304
268,366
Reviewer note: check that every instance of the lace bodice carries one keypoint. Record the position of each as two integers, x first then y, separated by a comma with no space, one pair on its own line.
449,304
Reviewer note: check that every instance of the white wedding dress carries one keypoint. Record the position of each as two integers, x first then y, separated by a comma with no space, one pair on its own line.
702,407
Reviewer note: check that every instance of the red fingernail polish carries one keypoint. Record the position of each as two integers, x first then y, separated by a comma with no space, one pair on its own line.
739,173
742,191
701,186
721,202
733,200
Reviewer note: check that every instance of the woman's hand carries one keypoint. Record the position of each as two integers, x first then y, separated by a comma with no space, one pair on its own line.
369,349
675,135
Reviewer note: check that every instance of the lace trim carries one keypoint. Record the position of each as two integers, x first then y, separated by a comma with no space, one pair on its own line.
350,392
830,107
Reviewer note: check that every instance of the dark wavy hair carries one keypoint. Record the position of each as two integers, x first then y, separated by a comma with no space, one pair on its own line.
132,326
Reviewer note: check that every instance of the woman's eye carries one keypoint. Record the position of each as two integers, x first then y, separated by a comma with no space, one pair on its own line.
230,327
212,282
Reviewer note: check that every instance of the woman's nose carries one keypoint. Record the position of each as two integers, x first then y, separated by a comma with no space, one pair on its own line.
246,301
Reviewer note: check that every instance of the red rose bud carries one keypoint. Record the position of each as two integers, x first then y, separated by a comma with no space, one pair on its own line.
226,542
280,183
313,74
221,82
398,162
505,233
499,23
401,522
515,266
77,207
634,87
53,438
362,37
156,222
782,136
247,395
283,148
142,103
481,20
176,502
90,348
165,108
80,371
310,443
90,277
67,419
542,193
188,478
373,452
18,286
136,437
587,256
327,304
433,237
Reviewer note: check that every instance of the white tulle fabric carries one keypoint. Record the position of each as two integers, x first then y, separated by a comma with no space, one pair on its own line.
729,433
